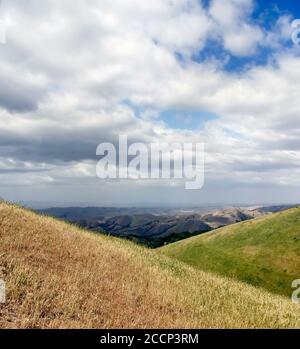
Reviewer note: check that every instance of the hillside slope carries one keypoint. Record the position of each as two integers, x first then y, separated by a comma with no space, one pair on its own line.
155,227
264,252
58,276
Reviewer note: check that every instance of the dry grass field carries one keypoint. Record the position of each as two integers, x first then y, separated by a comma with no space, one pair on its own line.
59,276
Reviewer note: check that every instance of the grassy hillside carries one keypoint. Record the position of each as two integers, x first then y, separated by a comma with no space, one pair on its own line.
263,252
58,276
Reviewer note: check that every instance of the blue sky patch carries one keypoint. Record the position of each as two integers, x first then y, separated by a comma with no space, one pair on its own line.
186,119
265,14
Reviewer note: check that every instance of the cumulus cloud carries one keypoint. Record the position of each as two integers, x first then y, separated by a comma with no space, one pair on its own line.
74,74
240,36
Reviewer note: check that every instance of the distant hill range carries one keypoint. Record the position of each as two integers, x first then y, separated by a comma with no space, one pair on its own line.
156,227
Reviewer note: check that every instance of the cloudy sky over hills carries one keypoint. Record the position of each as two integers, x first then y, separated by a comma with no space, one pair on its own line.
77,73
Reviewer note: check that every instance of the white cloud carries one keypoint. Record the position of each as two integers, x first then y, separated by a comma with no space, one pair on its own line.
71,72
240,37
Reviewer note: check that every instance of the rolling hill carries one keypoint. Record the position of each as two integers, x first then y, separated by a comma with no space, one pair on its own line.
60,276
264,252
154,227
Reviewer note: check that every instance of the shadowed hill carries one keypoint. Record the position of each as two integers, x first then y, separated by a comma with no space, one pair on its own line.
59,276
264,252
155,227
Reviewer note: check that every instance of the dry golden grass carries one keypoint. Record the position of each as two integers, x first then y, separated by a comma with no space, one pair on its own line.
59,276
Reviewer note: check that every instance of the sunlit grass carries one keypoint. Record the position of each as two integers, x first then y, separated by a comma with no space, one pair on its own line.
59,276
264,252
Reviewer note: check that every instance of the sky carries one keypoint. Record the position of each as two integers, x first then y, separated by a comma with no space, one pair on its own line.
74,74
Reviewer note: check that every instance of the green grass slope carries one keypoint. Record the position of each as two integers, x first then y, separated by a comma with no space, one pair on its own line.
60,276
263,252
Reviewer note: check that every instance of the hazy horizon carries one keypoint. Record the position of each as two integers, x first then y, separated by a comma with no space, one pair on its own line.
145,205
